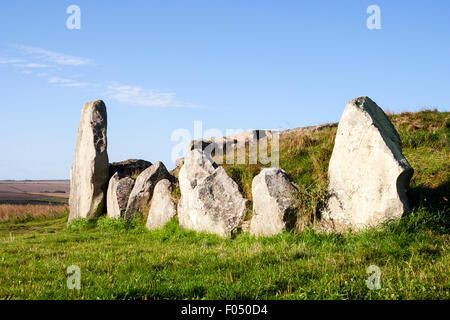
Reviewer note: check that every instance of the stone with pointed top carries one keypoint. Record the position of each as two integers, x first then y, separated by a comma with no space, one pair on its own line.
368,174
143,188
210,200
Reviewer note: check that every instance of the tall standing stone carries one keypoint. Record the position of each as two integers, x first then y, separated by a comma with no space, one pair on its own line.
368,174
89,172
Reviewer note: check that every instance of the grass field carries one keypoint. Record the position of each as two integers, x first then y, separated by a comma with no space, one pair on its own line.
122,260
25,212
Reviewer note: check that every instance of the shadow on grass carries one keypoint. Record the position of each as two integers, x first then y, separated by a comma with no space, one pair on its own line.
429,207
431,198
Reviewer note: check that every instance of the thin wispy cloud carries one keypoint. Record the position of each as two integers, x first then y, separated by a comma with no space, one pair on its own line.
63,82
53,57
57,69
9,61
31,65
142,97
24,66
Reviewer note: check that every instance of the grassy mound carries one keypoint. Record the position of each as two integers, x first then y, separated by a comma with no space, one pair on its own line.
122,260
305,155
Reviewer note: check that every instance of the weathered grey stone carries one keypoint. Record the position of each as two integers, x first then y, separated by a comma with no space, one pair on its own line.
178,164
119,189
274,202
143,188
162,207
228,141
240,148
89,172
368,174
128,168
210,199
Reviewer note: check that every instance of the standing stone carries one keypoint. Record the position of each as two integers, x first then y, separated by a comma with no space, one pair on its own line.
368,174
210,199
143,188
274,202
119,189
89,172
162,207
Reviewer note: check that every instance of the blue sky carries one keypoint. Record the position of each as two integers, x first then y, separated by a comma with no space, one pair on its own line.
161,65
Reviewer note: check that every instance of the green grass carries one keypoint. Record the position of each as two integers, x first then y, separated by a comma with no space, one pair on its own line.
305,158
122,260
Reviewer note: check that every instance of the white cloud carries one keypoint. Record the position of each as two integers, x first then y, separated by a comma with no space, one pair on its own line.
63,82
22,64
143,97
35,65
54,63
53,57
31,65
9,61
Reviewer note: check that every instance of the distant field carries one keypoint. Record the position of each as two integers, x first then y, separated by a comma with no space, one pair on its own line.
32,191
